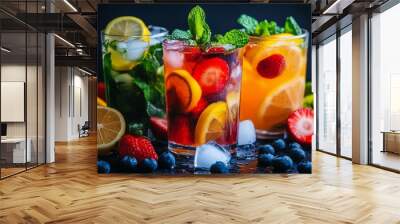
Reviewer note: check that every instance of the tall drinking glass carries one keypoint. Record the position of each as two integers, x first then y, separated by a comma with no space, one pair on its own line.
202,96
274,73
129,64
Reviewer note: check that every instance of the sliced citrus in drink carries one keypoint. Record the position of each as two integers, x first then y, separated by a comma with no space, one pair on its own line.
183,91
119,63
125,27
110,128
211,123
277,106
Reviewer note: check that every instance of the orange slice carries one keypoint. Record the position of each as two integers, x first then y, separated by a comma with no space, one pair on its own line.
277,107
110,128
211,123
183,91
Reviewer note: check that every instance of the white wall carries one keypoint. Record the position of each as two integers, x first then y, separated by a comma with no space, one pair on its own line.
71,102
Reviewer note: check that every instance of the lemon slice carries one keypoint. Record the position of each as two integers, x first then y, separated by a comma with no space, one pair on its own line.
127,26
183,91
118,63
277,107
211,123
110,128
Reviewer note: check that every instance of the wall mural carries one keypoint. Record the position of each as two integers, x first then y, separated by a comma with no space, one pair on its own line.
204,89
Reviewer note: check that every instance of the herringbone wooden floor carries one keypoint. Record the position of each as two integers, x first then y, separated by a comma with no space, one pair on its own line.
70,191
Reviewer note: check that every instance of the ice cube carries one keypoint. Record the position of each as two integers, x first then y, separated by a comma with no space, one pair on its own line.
174,59
247,133
135,49
122,46
210,153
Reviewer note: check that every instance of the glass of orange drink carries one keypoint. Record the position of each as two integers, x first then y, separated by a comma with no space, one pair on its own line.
274,74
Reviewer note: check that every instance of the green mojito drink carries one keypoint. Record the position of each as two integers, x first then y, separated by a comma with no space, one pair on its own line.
133,71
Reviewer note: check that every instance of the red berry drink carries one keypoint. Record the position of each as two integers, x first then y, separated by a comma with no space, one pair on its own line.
202,95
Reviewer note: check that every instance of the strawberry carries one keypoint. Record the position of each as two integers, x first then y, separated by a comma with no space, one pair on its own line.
271,66
101,90
201,105
301,125
181,130
136,146
216,50
159,127
212,75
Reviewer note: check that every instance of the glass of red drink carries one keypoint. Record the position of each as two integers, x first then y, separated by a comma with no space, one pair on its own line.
202,95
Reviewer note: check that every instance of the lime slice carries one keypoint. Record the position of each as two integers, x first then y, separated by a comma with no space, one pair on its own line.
127,26
110,128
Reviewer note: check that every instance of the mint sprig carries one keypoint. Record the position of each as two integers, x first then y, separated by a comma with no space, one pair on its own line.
198,26
266,28
291,26
249,23
199,32
235,37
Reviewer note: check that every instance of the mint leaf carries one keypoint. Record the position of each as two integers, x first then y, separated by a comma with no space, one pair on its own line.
178,34
249,23
198,27
262,29
234,37
196,20
206,35
291,26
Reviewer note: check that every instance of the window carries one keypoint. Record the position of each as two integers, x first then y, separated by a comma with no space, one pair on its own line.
327,96
346,93
385,89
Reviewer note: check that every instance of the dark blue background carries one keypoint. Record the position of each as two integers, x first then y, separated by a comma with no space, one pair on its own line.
220,17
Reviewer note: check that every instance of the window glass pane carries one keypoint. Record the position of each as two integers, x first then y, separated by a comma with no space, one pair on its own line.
327,96
385,89
346,94
14,153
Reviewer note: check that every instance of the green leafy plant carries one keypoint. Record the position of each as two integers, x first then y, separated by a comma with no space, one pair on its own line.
199,32
265,28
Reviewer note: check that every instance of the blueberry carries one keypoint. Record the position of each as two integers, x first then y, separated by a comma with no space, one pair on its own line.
279,145
265,160
166,160
266,149
149,165
219,167
129,163
297,154
295,145
103,167
282,164
304,167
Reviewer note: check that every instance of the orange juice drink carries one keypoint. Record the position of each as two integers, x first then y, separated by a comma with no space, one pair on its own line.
274,74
